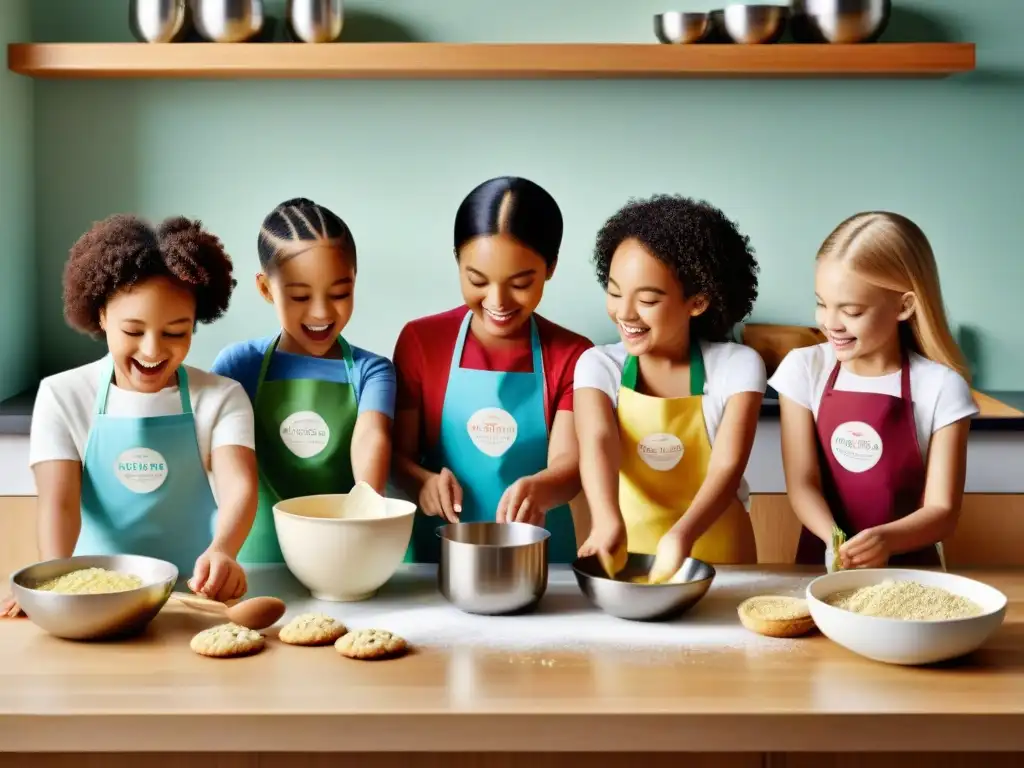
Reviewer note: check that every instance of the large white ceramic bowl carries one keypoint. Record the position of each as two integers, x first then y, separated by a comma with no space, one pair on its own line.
897,641
339,555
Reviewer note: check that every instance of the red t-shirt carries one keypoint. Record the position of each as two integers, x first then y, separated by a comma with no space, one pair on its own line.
423,357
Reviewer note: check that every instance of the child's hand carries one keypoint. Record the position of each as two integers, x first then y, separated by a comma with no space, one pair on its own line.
609,544
441,496
9,608
522,502
673,549
218,576
868,549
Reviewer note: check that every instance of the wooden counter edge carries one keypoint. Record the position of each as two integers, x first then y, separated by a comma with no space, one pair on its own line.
884,732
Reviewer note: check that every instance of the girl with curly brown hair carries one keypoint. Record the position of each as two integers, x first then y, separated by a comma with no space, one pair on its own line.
666,417
127,450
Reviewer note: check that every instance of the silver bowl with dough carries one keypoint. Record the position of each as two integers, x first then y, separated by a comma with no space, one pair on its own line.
625,599
95,616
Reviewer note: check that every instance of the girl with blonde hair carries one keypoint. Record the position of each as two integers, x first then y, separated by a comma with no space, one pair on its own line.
875,420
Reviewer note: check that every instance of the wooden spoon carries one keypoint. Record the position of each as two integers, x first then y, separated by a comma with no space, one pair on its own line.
254,613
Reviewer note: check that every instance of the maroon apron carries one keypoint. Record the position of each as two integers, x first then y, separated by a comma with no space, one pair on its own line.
871,467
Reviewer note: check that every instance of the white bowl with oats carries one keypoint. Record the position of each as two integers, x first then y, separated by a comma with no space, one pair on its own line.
905,616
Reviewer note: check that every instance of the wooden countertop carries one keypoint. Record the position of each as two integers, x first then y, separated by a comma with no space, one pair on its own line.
565,678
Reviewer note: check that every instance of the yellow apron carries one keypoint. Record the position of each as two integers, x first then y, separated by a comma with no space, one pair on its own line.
665,456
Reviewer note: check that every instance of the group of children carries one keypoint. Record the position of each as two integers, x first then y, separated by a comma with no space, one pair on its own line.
491,412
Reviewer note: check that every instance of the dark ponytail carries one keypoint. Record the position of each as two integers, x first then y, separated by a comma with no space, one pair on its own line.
299,222
510,205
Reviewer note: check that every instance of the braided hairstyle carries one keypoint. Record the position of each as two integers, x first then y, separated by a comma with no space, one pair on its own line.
296,225
123,251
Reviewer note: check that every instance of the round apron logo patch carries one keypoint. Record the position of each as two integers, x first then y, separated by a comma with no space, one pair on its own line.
305,434
660,451
141,470
856,446
492,430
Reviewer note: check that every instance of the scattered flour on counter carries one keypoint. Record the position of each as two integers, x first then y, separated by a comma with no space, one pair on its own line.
564,621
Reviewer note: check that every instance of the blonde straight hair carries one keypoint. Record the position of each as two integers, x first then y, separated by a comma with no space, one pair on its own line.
890,251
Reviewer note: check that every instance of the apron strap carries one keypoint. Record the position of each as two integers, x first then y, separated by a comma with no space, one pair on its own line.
905,378
183,393
346,352
460,340
107,376
698,374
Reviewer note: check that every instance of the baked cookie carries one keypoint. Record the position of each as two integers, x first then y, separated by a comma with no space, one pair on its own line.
312,629
776,616
226,641
368,644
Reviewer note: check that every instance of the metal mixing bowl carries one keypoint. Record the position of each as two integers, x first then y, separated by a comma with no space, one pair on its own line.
159,21
92,617
643,602
315,21
493,568
839,21
755,24
228,21
676,27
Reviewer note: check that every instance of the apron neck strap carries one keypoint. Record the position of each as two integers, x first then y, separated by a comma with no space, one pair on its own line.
830,384
535,346
107,377
698,376
346,353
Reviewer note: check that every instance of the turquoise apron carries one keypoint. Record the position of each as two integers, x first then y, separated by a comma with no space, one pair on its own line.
493,432
145,490
303,441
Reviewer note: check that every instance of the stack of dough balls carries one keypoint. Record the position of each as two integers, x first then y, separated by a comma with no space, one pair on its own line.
307,629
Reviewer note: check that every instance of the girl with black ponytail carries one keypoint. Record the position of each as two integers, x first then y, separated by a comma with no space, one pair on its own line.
314,394
484,429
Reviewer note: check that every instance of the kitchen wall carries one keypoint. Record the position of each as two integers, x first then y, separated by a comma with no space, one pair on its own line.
788,160
18,338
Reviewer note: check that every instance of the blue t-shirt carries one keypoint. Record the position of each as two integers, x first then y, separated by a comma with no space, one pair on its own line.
374,375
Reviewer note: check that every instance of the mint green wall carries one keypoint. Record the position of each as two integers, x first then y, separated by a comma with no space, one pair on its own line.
788,160
18,358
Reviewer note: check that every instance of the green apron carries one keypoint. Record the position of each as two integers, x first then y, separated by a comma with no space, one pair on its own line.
303,446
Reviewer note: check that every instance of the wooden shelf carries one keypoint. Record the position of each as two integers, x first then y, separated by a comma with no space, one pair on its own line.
463,61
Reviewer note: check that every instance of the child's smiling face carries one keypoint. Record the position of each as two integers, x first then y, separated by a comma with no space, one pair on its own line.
313,294
861,320
645,301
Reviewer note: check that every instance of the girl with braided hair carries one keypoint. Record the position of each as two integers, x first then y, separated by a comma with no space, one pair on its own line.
315,396
128,450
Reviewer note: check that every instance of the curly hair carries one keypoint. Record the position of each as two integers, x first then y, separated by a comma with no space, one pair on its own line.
123,251
704,249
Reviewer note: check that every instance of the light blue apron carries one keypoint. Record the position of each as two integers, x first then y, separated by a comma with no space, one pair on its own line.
493,432
144,488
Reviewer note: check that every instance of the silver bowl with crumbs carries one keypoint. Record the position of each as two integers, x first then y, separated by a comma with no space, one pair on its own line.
628,597
94,597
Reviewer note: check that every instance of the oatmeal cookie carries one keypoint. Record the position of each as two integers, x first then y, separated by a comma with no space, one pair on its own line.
226,641
312,629
370,644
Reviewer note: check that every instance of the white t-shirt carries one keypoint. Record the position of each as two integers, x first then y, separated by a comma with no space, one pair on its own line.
728,370
941,396
66,403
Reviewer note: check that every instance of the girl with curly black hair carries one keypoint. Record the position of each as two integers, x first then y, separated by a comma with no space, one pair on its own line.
314,394
666,417
127,450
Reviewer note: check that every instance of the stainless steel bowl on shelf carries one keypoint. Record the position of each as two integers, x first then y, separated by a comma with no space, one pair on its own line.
228,21
493,568
95,616
676,27
315,21
159,21
754,24
839,21
643,602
